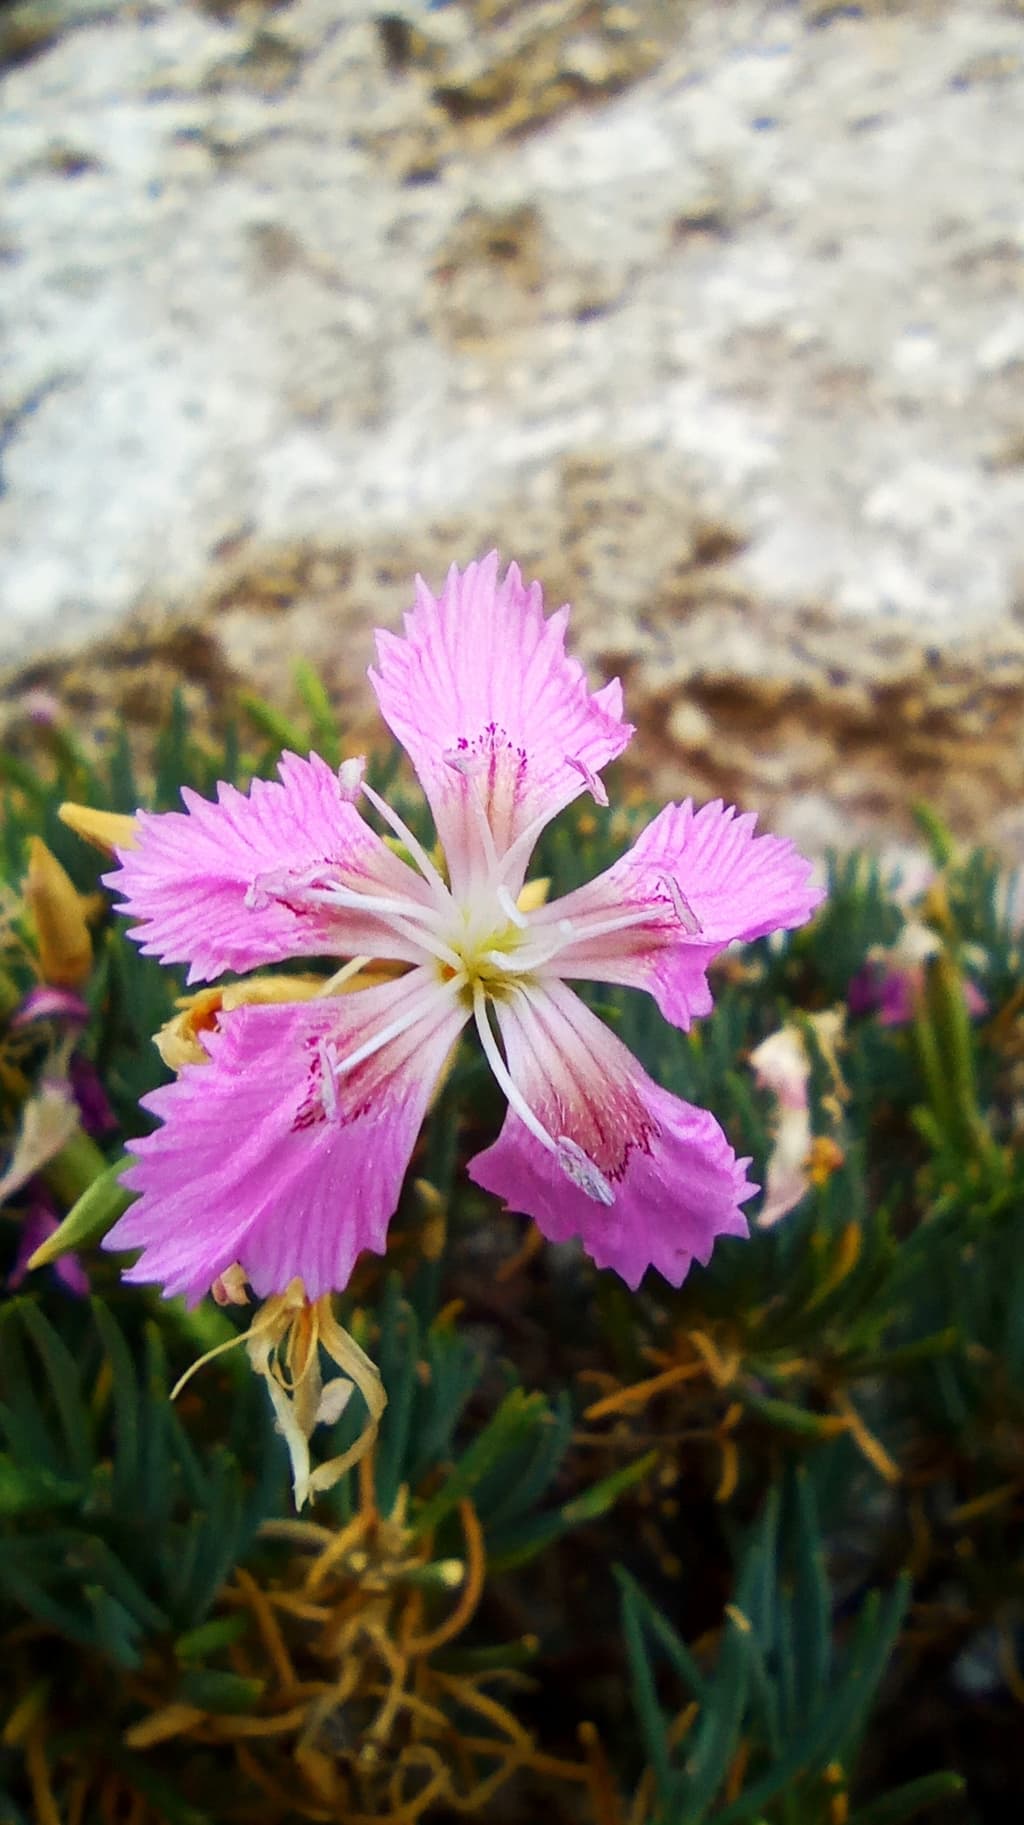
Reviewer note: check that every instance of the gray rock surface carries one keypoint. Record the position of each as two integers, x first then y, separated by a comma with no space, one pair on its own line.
713,314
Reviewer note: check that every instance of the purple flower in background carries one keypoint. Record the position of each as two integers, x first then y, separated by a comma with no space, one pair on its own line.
44,1002
39,1221
891,982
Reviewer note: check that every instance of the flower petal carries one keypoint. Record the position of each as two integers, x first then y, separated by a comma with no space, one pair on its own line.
46,1003
260,1160
186,877
676,1182
493,712
692,883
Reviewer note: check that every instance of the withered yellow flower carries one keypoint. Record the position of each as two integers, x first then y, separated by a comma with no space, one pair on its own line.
58,914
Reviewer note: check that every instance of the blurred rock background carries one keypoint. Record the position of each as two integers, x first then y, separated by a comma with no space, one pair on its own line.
710,312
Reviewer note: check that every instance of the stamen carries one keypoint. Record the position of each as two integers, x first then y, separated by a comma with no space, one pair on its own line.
681,906
511,910
515,1099
436,992
594,785
521,962
345,974
309,888
580,1168
581,932
412,843
277,884
574,1162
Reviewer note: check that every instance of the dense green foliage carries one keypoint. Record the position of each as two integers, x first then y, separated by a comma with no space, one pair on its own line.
750,1551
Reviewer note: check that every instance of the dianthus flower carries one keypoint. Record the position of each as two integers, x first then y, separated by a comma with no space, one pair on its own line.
285,1153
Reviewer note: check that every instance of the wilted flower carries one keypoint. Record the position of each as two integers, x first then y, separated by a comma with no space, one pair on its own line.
59,914
782,1065
283,1343
286,1152
49,1118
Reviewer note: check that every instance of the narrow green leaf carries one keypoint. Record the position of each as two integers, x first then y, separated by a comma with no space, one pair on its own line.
218,1540
125,1391
89,1219
270,722
313,691
195,1644
64,1384
601,1496
172,769
15,773
24,1489
117,1630
652,1722
784,1414
523,1489
221,1692
25,1591
757,1590
869,1658
397,1356
935,832
812,1608
715,1740
905,1802
98,1560
678,1654
516,1417
835,1723
503,1655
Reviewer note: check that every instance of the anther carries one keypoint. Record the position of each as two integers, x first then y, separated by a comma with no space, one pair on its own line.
580,1168
350,778
280,884
328,1056
681,906
593,784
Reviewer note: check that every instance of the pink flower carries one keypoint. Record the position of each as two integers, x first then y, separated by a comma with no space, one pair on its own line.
286,1152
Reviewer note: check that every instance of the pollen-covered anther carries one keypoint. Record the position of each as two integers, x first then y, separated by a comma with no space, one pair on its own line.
580,1168
292,884
327,1053
350,778
594,785
681,906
